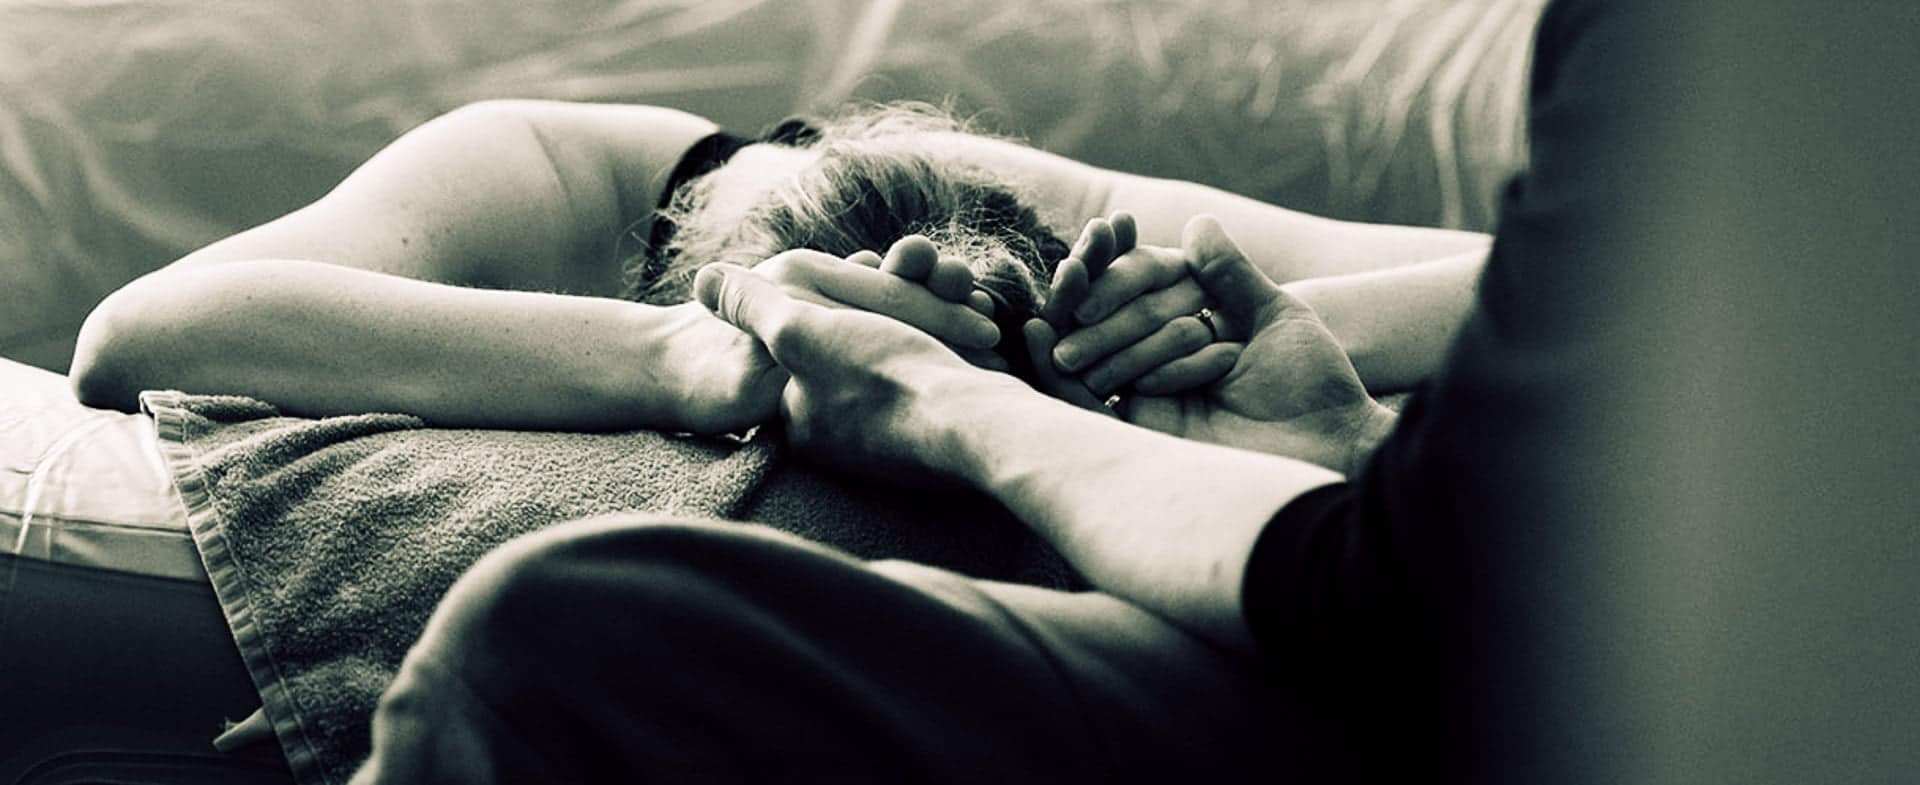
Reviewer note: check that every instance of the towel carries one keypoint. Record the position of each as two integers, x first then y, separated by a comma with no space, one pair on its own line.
330,541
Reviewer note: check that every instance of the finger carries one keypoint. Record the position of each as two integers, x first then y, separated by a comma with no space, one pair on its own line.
1125,233
985,358
1095,248
753,304
1246,295
865,258
1174,340
1158,413
1068,289
1139,319
1040,339
911,257
1133,275
1193,371
982,302
884,293
950,280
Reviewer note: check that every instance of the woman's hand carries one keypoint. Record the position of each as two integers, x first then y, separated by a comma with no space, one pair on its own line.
855,377
729,382
1289,390
1136,325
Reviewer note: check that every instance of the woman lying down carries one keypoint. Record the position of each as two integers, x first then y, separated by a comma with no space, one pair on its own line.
532,265
526,265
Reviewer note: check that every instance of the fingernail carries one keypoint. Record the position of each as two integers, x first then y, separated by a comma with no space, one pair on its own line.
1066,357
986,333
1087,313
707,282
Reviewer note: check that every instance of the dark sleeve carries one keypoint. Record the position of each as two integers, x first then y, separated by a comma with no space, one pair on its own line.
1410,571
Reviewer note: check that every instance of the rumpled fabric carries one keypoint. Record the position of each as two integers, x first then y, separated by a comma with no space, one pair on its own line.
330,541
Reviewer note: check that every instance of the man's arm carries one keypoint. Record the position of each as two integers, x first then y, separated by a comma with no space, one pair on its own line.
1164,522
1161,521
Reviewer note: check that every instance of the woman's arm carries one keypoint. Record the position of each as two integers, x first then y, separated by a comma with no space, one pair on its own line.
367,299
320,339
1396,324
388,293
1287,244
1394,295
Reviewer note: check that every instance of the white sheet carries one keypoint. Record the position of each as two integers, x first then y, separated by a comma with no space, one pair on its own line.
85,486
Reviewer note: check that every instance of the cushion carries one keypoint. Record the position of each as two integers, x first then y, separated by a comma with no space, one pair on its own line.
85,486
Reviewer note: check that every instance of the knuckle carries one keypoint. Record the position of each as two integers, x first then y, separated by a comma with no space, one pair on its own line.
898,300
778,268
787,340
1193,333
1133,325
809,265
1166,305
1172,303
1129,364
1100,379
1128,280
730,302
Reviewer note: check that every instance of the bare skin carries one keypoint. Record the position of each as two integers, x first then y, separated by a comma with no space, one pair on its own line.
1172,522
465,275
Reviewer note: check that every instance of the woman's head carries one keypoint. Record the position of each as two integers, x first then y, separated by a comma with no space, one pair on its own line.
864,182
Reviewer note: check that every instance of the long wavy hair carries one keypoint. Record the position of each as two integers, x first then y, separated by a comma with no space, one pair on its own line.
879,176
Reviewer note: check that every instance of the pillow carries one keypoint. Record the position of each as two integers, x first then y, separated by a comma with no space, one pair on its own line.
84,486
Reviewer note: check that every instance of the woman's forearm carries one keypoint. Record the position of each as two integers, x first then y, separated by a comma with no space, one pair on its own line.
319,339
1164,522
1396,324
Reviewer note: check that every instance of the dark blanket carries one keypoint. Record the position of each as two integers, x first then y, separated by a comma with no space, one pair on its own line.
330,541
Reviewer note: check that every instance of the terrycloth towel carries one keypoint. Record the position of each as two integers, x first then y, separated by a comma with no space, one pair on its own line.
330,541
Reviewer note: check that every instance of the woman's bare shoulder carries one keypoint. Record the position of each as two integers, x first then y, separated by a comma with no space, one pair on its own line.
518,194
635,144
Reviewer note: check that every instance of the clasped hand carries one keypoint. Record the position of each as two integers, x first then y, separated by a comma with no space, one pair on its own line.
1265,375
727,379
1261,372
859,380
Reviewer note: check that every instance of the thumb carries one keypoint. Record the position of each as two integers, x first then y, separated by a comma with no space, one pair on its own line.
753,304
1243,293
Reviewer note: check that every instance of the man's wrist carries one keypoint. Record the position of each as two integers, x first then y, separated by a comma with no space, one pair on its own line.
967,417
1370,430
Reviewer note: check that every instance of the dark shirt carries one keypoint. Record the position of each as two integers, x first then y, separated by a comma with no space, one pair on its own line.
1398,592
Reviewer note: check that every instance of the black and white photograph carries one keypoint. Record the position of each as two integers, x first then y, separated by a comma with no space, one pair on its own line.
487,392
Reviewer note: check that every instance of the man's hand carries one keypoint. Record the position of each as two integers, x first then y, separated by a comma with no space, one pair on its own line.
1290,390
858,379
728,381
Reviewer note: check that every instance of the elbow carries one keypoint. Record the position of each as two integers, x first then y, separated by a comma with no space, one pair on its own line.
106,369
